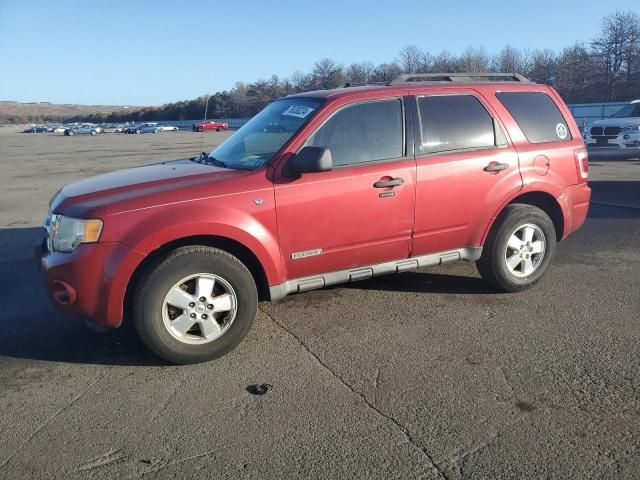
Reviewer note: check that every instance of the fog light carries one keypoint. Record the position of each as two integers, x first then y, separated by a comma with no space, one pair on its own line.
63,293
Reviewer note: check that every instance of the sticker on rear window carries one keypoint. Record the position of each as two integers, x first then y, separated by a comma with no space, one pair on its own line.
561,131
300,111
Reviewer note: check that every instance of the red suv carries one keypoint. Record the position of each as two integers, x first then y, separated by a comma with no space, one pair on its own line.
355,182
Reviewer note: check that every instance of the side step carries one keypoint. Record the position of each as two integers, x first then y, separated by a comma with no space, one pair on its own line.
313,282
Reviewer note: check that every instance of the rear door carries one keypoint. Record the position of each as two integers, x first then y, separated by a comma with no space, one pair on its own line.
466,169
343,218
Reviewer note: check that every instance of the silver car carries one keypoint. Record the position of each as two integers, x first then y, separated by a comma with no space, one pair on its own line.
83,130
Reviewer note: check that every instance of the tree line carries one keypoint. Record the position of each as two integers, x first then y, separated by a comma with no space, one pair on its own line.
607,68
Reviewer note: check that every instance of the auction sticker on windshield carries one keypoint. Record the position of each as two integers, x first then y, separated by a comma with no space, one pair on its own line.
300,111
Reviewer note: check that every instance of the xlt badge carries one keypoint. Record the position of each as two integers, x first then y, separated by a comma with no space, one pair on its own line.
306,253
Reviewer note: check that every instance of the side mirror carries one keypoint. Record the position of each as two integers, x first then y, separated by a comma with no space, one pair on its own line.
310,160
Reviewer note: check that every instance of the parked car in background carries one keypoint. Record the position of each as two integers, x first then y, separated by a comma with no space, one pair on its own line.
318,189
112,129
83,130
167,128
133,129
37,129
621,130
148,127
211,125
59,129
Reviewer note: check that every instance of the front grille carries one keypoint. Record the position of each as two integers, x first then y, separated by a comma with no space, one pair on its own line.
596,131
612,131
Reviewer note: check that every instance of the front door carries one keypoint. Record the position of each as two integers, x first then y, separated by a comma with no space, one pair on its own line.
361,212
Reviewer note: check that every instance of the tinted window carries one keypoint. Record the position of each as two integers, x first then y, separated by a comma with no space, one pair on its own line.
455,122
364,132
537,116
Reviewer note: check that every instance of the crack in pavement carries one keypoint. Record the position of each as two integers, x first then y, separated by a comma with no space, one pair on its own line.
111,456
162,466
405,432
48,421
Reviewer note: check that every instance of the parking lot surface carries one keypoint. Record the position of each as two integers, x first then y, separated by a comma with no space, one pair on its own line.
426,374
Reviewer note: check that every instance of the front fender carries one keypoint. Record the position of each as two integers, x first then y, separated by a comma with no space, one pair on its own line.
147,230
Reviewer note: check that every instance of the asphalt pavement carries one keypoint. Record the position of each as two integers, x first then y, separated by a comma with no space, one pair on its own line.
427,374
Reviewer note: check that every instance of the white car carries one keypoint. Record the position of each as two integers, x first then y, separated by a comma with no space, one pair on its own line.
621,130
167,128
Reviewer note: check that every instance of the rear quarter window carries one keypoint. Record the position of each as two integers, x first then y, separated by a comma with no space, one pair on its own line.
537,116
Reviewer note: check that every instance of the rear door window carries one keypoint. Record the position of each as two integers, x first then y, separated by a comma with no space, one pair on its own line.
363,132
537,116
456,122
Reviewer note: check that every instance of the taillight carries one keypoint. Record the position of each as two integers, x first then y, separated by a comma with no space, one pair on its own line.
582,163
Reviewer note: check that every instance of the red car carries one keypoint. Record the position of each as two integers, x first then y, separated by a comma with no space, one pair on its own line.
217,126
354,182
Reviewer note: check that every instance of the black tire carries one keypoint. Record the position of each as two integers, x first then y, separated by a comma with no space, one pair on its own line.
492,265
199,129
219,129
159,278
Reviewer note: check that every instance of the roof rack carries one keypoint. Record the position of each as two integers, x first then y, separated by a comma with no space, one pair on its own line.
457,77
363,84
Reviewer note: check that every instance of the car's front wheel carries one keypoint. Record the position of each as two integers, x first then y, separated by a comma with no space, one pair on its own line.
195,304
519,248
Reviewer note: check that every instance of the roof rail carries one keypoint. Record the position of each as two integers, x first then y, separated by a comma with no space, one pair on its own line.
362,84
457,77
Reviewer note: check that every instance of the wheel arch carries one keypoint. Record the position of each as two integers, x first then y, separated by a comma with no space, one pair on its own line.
545,201
229,245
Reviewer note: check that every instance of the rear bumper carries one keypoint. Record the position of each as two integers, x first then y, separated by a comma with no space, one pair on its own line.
576,206
91,281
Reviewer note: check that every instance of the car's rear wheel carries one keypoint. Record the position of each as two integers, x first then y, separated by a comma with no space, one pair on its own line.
519,248
93,132
199,129
194,305
71,134
219,129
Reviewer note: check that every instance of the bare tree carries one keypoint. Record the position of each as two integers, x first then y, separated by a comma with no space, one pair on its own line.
509,59
616,49
474,60
327,73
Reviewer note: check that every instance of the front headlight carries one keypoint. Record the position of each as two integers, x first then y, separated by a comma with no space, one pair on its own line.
635,128
67,233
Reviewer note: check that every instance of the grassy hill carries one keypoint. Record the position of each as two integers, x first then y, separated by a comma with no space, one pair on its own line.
17,112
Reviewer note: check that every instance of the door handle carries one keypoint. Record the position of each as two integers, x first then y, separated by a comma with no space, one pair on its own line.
394,182
496,167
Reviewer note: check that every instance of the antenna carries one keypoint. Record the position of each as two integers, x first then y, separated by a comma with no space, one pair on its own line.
206,109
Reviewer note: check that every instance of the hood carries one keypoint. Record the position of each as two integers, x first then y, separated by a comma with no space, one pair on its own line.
617,122
139,187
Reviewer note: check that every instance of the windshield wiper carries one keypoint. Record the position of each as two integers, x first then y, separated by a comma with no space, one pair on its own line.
209,160
214,161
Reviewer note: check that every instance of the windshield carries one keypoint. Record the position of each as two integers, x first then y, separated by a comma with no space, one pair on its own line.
266,133
631,110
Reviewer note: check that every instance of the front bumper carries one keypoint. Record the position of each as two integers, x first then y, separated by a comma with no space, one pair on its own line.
91,281
623,140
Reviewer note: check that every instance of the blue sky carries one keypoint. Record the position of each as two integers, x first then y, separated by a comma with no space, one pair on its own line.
152,52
